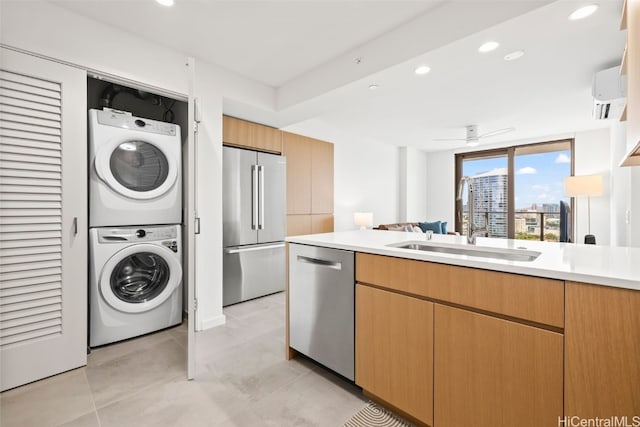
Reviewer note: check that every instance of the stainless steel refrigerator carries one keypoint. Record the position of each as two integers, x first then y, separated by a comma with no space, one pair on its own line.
254,224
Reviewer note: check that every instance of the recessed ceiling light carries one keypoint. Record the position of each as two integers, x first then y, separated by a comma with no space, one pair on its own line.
374,86
583,12
514,55
165,2
422,70
488,47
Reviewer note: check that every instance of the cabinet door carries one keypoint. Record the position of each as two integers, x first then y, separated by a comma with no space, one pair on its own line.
321,177
266,138
321,223
602,342
43,211
298,153
490,372
298,225
394,350
236,132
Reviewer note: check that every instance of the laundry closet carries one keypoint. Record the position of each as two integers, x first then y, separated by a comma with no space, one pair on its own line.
95,243
135,176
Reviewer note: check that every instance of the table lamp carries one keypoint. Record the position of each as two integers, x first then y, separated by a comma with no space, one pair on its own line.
363,219
584,185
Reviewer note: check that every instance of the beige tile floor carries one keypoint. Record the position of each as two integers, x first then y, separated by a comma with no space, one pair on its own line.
242,380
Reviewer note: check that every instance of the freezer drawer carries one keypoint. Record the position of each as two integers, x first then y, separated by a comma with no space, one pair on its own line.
321,306
252,271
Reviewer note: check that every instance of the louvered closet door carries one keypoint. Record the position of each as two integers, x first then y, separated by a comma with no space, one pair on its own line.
43,247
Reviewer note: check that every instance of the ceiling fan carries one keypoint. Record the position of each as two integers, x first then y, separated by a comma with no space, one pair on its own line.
472,139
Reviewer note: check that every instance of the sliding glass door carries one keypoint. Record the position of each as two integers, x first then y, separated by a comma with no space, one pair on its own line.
490,197
539,176
517,191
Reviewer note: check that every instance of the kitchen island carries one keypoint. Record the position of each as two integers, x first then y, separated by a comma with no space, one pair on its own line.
477,339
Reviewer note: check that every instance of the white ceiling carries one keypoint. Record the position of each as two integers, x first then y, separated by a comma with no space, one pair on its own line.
306,50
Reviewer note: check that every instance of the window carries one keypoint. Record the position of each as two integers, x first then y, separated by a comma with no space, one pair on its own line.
517,190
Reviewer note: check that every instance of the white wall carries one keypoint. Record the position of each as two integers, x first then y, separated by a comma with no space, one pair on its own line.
413,184
592,157
441,187
45,29
365,175
619,188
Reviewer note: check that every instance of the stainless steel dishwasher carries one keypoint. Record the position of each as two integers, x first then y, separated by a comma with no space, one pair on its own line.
321,306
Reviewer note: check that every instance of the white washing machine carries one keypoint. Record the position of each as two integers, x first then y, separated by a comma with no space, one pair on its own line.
135,170
135,281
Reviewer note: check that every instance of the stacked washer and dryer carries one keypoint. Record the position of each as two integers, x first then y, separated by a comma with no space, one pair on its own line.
135,212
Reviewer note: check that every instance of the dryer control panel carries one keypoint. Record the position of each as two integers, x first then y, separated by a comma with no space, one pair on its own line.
126,120
136,234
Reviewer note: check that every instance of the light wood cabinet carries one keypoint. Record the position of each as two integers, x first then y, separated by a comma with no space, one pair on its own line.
394,350
491,372
309,184
322,223
602,367
321,177
631,67
235,131
267,138
298,225
244,134
533,299
497,348
298,153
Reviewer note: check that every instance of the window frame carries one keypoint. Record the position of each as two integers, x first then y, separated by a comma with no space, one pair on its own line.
510,153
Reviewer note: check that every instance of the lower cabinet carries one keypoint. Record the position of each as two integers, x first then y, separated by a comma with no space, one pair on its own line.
602,354
492,372
394,350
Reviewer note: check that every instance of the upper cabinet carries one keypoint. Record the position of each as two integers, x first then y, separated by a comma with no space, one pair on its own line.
241,133
309,184
298,153
321,177
631,67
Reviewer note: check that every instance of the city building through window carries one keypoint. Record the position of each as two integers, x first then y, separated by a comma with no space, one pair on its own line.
518,191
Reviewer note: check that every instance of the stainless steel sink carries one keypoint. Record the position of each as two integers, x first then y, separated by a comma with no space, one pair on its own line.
475,251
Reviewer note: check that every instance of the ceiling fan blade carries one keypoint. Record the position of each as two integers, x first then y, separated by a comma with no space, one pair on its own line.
449,139
497,132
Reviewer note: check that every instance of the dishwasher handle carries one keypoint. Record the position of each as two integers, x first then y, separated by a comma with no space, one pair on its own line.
320,262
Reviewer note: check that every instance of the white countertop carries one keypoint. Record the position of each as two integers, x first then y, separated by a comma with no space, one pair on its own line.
601,265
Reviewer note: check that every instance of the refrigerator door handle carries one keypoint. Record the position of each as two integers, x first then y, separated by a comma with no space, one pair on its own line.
254,197
237,250
261,197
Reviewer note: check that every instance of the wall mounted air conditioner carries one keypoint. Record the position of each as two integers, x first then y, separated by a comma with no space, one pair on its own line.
609,94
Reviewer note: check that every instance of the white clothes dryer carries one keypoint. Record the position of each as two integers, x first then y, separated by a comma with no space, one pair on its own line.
135,281
135,173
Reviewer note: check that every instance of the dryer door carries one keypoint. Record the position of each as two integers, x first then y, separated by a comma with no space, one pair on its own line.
140,277
136,168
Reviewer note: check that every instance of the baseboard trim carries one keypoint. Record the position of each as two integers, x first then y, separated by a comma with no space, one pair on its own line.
211,322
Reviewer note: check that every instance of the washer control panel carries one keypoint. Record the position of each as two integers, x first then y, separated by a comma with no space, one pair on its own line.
126,120
138,234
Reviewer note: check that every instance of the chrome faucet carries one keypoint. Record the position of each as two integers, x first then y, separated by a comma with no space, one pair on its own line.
472,228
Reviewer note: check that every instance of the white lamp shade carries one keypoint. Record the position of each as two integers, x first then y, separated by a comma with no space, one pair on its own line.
363,219
585,185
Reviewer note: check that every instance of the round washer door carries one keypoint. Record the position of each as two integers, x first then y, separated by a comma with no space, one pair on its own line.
136,168
140,277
